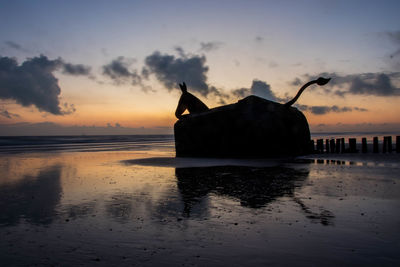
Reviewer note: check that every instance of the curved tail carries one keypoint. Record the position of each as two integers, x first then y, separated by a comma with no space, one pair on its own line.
320,81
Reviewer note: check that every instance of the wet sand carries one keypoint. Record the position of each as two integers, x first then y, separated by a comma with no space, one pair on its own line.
145,208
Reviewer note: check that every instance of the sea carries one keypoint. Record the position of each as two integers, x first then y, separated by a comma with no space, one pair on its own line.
128,201
16,144
9,144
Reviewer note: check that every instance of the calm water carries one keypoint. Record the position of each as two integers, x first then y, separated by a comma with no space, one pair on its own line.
131,202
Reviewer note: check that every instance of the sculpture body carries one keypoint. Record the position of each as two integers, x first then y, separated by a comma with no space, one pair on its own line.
251,128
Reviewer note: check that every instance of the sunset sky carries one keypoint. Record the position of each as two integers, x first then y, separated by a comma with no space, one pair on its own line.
87,67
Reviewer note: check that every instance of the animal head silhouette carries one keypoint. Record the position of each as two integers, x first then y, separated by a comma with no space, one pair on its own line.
189,102
183,87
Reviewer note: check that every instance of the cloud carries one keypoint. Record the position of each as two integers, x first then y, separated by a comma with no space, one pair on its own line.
380,84
259,39
262,89
393,57
118,71
33,83
180,51
242,92
168,69
8,115
210,46
77,69
296,82
360,109
258,88
377,84
321,110
50,128
13,45
359,127
171,70
395,38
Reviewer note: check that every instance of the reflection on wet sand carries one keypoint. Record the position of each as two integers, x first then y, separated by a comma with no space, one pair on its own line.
119,207
88,208
253,187
32,198
325,217
80,210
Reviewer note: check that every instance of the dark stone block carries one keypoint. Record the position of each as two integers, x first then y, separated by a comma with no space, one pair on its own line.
252,128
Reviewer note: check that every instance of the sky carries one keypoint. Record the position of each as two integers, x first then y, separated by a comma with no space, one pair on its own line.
113,67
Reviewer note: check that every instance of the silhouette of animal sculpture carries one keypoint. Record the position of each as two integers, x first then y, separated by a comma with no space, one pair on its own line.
252,127
189,102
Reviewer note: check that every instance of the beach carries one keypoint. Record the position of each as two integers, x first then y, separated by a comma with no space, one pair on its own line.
132,203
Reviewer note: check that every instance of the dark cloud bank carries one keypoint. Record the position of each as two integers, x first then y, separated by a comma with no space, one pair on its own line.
33,82
262,89
320,110
49,128
379,128
373,84
171,69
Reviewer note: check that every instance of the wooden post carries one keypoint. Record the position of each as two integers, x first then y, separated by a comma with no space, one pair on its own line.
332,145
343,146
384,144
327,145
364,148
352,145
376,145
337,145
312,146
390,148
320,146
398,144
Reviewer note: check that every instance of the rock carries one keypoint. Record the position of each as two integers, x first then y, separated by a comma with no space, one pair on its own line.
251,128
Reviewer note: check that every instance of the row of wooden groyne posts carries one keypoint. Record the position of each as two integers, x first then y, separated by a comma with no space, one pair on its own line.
338,145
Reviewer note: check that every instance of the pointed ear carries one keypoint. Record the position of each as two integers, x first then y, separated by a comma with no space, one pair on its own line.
183,87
